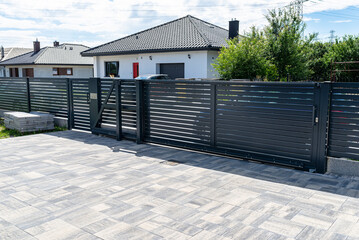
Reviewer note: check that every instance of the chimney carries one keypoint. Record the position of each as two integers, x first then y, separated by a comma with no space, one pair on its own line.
36,46
2,53
56,44
233,28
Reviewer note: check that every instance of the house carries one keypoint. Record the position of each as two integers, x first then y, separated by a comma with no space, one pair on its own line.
7,53
183,48
62,60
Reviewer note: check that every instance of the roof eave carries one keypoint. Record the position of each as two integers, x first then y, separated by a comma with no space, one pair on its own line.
60,64
85,54
15,64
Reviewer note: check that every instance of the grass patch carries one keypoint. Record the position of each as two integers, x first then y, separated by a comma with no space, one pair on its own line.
7,133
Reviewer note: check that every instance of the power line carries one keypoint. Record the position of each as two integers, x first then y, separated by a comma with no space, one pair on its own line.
336,15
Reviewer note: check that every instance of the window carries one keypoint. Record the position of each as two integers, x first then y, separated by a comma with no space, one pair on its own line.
28,72
111,69
14,72
61,71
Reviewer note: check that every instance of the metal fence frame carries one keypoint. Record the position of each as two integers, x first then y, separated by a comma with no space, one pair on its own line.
320,114
53,95
335,131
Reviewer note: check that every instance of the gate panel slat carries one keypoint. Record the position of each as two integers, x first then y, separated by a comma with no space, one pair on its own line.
13,94
344,121
49,95
273,120
81,108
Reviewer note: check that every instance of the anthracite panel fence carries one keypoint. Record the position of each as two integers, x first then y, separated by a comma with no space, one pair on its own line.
294,124
49,95
62,97
13,94
344,121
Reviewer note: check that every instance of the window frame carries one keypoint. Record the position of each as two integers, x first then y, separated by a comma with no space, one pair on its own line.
63,69
25,72
117,63
15,71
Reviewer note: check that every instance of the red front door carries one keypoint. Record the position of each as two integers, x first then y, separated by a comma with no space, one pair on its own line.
135,70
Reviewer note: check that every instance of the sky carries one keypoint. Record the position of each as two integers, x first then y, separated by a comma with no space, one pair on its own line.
94,22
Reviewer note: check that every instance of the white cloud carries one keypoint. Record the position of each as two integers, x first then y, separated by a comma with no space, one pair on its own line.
328,5
341,21
109,20
308,19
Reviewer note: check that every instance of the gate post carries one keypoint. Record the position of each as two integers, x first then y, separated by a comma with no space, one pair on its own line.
213,116
322,124
70,112
139,111
28,96
118,109
95,100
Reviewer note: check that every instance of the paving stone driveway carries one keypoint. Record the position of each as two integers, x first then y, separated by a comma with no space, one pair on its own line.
74,185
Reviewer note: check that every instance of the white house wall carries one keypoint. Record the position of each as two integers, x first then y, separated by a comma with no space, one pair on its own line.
2,71
195,67
211,57
46,71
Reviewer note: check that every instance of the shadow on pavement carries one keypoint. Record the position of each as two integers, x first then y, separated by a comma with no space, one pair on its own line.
343,185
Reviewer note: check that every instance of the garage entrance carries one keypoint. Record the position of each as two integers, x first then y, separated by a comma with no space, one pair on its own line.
173,70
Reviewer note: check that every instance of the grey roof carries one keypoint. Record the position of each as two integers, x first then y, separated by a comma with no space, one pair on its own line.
65,54
13,52
187,33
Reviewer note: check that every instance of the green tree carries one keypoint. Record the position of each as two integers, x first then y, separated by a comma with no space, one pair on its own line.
318,63
281,50
286,47
344,49
244,59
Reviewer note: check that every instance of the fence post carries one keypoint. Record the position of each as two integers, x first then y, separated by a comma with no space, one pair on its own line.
213,114
322,125
118,110
139,111
95,100
28,96
70,112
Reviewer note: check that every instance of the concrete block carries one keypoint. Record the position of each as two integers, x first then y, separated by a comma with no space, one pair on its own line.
343,166
61,122
2,112
58,121
29,122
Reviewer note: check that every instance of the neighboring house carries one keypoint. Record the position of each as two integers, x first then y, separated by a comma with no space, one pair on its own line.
7,53
62,60
183,48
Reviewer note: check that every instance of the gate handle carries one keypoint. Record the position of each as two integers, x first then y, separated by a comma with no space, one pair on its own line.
88,97
314,115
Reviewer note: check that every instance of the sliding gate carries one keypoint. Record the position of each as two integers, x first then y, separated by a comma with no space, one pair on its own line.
282,123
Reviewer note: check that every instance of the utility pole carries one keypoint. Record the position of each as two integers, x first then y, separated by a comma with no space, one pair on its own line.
332,37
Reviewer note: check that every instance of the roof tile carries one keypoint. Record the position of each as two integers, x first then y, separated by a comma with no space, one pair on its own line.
65,54
181,34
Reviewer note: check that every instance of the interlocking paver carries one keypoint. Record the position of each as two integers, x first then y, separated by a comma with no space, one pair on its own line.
74,185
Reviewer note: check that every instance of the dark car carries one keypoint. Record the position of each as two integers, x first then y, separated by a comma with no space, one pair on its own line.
152,76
